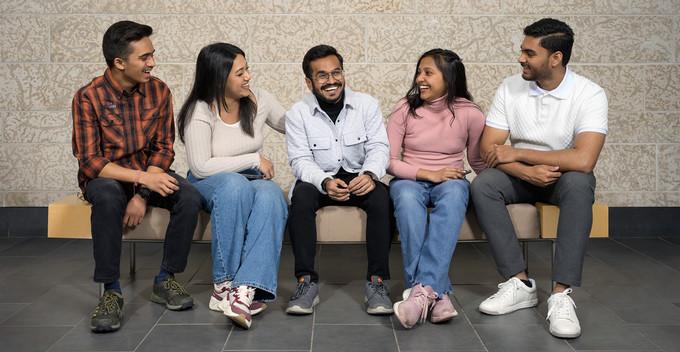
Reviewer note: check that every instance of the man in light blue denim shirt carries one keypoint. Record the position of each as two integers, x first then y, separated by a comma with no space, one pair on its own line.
338,150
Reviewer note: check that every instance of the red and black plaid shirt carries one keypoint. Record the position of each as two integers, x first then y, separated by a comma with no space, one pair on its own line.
133,130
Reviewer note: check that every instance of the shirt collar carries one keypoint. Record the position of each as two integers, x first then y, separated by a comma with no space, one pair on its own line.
349,101
117,89
561,92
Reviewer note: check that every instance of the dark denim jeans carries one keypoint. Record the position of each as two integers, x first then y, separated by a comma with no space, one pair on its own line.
109,199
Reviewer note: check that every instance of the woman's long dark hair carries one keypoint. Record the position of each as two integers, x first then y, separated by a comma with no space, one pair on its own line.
453,72
213,66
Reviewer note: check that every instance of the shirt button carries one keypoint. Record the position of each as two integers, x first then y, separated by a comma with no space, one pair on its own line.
315,145
338,159
358,138
336,139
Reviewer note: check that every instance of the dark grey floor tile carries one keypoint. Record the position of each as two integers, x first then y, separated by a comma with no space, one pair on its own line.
200,313
64,304
666,337
454,335
520,337
601,328
350,257
168,338
344,304
273,329
10,265
36,247
636,305
354,338
9,309
7,242
470,296
138,320
673,240
28,339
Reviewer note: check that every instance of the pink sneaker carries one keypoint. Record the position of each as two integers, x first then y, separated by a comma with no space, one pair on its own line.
238,310
415,307
443,310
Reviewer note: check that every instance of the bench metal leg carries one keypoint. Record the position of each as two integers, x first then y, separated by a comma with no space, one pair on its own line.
553,245
525,253
133,258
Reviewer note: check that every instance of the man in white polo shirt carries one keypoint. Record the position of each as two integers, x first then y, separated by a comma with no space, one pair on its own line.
557,122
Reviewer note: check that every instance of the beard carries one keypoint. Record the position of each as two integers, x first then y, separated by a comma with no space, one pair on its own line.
319,96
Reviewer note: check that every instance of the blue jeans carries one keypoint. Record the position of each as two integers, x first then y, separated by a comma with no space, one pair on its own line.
427,249
247,223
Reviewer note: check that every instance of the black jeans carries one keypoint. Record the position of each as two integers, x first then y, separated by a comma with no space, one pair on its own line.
109,199
307,200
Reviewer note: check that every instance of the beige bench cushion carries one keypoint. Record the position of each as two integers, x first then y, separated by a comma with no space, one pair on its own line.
70,218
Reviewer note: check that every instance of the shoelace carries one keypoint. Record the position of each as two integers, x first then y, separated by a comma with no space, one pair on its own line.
243,295
301,289
172,285
379,288
422,297
503,289
108,304
561,304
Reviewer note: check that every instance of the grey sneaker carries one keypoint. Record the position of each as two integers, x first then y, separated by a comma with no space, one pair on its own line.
377,297
172,294
304,299
109,312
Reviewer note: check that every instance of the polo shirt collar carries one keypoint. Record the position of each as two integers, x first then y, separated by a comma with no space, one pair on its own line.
561,92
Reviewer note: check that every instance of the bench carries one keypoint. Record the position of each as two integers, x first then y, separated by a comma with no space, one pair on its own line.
70,218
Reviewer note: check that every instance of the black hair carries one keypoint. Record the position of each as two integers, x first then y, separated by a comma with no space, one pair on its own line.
555,36
116,42
453,73
315,53
213,65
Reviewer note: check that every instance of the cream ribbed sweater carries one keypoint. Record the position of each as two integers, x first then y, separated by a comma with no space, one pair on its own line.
214,146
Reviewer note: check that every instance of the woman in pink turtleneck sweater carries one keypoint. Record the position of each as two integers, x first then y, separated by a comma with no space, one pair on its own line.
431,128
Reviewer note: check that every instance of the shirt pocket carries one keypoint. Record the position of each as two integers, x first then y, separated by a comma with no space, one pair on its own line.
111,117
354,138
319,143
149,121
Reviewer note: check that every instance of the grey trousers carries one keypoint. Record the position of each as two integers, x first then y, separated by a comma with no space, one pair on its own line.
574,193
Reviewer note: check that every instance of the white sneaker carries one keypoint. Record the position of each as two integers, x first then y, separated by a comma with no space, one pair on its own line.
238,310
511,296
217,298
562,316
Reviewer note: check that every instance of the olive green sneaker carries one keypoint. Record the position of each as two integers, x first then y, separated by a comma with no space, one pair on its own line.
109,312
172,294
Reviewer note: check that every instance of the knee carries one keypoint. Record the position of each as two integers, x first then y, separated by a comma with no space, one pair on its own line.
484,182
577,184
304,193
231,186
457,191
106,193
405,192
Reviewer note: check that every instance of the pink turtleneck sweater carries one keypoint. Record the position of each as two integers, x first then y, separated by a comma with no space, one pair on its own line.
431,141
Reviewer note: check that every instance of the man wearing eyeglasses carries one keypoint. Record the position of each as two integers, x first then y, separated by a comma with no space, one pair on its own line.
338,150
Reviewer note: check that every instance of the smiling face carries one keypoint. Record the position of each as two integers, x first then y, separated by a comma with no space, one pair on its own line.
238,83
535,60
136,68
329,90
430,80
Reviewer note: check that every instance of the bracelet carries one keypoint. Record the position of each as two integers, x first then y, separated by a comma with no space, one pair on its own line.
134,185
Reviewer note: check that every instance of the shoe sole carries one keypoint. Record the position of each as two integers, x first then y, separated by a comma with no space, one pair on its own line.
522,305
381,310
297,310
565,336
401,321
158,299
105,327
438,320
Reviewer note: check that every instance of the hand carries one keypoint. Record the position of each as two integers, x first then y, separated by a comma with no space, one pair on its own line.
361,185
445,174
159,182
337,190
500,154
267,168
134,212
542,175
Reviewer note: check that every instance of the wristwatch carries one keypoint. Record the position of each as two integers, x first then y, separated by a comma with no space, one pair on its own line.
144,193
372,176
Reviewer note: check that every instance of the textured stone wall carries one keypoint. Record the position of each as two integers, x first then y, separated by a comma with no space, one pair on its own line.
50,48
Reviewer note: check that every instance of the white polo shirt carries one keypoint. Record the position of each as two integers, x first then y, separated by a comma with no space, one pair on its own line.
548,120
